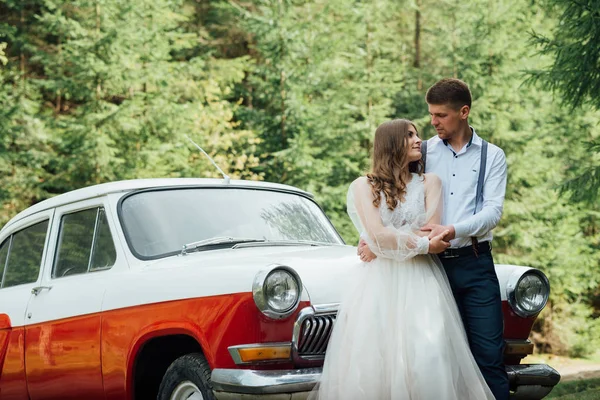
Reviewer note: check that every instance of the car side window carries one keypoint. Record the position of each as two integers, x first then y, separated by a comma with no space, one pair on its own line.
25,255
84,243
3,256
104,254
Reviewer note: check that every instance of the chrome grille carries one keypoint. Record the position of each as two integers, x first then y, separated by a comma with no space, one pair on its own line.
312,333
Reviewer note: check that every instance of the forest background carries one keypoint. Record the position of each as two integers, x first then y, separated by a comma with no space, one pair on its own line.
291,91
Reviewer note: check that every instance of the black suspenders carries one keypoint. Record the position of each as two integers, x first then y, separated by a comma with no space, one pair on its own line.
482,165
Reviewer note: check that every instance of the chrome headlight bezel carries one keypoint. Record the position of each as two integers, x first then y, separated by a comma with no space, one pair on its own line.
259,292
511,292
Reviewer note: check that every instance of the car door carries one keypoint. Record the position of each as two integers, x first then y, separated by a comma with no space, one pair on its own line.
23,248
63,358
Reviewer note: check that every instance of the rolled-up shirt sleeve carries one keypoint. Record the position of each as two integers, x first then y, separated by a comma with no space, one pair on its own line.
494,189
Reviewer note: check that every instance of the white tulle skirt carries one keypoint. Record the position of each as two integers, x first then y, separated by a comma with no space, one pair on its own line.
399,335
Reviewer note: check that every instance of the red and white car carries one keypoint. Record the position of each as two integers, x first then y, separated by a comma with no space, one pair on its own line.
191,289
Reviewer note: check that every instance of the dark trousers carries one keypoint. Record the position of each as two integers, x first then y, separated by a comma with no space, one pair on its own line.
475,287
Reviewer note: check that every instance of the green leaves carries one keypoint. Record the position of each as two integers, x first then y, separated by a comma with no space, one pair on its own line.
291,91
573,75
574,49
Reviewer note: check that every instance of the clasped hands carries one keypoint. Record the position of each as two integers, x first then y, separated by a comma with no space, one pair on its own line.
439,240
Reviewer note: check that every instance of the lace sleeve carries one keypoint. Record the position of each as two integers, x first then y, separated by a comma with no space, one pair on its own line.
385,241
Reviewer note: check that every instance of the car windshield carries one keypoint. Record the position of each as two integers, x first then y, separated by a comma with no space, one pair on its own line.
160,222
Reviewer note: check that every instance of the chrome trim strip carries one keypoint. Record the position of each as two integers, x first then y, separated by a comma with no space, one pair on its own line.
511,288
532,374
331,308
260,297
93,240
6,260
247,381
233,351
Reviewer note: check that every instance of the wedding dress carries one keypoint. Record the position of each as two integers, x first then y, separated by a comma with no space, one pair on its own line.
398,333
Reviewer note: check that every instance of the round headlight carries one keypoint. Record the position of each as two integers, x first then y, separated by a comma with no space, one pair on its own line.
281,290
277,291
528,293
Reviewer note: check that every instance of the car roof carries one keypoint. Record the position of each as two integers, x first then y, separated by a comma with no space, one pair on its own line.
104,189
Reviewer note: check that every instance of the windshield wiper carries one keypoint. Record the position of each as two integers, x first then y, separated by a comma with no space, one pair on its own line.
227,241
259,243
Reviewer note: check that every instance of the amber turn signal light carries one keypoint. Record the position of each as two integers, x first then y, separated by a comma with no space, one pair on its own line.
261,353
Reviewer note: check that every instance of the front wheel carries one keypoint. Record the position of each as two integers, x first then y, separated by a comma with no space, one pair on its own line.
187,378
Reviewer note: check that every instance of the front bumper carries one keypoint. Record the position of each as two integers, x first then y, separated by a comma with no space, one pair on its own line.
291,384
528,381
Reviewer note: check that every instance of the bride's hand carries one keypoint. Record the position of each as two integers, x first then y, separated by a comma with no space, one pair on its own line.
437,244
364,252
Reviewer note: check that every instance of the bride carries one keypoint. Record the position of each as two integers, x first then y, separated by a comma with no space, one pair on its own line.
398,333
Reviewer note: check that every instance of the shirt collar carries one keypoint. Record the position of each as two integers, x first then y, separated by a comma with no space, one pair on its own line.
475,139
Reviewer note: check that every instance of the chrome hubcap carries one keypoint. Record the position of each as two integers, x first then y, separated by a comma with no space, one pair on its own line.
186,391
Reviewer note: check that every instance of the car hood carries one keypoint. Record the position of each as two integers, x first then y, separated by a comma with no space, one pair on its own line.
324,270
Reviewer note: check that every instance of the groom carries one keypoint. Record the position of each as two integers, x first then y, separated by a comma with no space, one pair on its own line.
455,155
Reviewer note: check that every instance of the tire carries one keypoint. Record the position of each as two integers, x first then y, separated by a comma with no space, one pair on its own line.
188,377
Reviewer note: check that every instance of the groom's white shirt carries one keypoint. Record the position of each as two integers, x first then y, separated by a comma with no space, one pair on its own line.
459,172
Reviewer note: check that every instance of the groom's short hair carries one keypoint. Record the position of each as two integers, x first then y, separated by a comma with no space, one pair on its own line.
449,91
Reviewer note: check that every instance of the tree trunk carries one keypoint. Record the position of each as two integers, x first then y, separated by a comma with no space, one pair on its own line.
21,55
99,84
282,81
369,65
417,62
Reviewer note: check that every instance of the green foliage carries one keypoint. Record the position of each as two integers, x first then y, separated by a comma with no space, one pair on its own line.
583,184
588,389
101,90
291,91
574,75
575,51
325,75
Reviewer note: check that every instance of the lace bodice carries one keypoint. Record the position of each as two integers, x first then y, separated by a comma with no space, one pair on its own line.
395,234
411,211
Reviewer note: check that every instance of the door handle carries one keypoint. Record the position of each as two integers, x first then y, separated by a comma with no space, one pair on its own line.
36,290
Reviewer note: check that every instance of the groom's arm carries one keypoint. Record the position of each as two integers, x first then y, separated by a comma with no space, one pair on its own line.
494,190
484,221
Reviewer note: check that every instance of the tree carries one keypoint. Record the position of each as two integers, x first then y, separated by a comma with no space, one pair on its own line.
118,85
325,75
25,148
574,74
291,91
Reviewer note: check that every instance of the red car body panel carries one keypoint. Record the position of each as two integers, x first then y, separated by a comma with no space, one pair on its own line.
94,355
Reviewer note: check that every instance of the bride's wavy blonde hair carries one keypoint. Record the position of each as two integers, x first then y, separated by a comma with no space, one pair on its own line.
390,152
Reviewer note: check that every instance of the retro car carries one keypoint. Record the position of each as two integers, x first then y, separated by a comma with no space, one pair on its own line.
191,289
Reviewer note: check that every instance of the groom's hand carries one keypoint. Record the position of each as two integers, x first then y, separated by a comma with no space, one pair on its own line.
437,244
435,230
364,252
